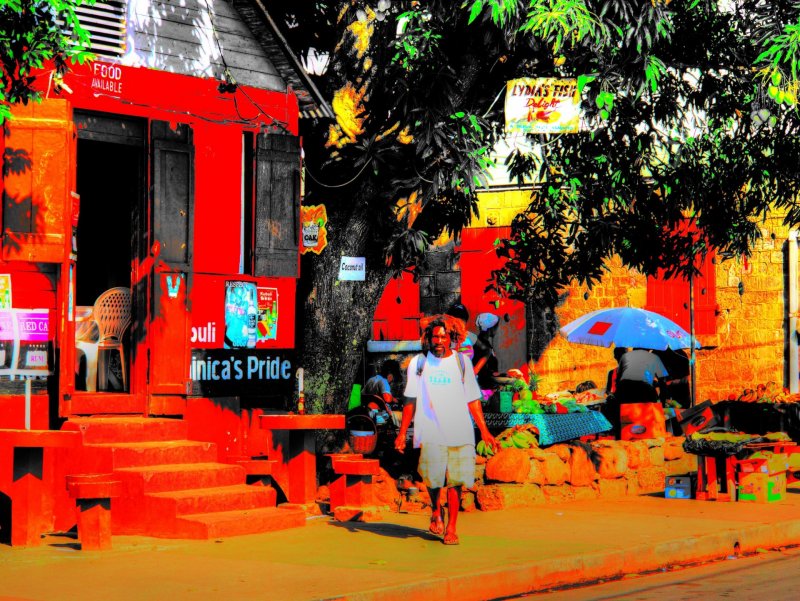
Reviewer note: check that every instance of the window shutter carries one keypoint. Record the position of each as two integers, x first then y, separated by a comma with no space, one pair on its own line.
173,193
277,206
670,298
39,179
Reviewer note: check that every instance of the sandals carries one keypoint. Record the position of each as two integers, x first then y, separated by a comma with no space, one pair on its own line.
437,525
450,538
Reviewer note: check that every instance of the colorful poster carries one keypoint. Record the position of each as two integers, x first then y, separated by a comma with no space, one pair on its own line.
314,219
267,313
543,105
241,314
5,291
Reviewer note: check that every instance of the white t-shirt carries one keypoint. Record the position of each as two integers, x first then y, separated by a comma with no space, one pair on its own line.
442,416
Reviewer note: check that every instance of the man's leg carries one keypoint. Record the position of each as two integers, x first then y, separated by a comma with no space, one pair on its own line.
437,524
453,506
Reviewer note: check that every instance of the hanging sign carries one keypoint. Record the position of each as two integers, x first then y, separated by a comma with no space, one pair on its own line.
542,105
353,269
314,220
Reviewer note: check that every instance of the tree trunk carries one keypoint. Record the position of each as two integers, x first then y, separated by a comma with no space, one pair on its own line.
337,317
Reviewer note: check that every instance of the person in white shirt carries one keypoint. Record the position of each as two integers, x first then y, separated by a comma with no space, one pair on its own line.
441,398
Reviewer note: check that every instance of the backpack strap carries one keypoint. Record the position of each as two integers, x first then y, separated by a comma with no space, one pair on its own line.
421,358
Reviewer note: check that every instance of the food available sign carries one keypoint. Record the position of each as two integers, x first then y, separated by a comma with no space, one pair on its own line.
542,105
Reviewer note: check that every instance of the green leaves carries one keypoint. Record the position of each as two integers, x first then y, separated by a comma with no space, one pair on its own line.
31,39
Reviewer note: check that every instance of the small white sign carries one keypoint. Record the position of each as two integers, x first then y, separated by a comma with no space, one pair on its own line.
353,269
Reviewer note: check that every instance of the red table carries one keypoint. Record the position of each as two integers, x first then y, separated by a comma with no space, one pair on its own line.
294,448
28,490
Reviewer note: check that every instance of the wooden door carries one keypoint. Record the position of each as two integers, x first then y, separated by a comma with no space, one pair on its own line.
172,185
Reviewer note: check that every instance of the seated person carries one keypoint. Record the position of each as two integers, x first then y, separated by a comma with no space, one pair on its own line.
380,386
639,377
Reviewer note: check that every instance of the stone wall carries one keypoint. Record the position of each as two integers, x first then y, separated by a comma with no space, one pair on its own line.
562,472
565,472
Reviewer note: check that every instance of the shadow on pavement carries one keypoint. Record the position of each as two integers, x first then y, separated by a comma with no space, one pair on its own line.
382,529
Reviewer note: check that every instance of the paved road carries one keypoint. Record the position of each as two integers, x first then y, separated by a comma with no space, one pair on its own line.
767,576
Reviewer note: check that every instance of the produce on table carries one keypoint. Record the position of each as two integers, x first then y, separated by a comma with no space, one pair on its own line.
523,436
766,393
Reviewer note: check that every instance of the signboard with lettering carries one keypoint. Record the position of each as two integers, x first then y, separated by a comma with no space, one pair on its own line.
314,219
24,341
353,269
267,313
542,105
220,372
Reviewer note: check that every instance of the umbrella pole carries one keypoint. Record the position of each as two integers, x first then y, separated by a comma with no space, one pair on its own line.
692,374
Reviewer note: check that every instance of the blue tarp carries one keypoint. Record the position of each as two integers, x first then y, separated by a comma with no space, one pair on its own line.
553,428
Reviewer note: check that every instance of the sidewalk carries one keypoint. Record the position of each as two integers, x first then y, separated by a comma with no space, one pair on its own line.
501,553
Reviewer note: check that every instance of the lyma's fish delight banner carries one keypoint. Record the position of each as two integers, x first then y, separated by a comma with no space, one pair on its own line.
542,105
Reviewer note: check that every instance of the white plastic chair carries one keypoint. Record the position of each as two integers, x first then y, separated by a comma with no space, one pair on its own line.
112,313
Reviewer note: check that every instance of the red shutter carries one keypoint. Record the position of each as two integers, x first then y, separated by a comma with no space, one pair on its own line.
40,152
397,314
670,298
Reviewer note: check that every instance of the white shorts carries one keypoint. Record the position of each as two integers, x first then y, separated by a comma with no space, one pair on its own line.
447,466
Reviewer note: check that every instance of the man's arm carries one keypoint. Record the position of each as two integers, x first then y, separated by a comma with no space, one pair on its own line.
476,411
408,414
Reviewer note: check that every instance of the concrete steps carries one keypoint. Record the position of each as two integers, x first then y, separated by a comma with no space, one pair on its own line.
173,487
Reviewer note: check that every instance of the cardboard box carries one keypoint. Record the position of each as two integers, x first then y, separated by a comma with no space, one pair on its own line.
697,418
678,487
765,462
758,487
642,420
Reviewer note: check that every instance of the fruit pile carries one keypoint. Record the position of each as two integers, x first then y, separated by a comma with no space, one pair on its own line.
523,436
766,393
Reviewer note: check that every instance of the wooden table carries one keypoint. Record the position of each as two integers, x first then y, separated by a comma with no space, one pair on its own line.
28,491
293,446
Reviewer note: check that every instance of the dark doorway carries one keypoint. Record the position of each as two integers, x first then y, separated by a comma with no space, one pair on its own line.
111,189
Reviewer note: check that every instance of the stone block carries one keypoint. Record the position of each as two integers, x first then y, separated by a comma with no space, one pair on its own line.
656,455
651,479
684,465
508,465
673,449
550,469
581,468
632,482
558,494
638,454
585,493
468,502
613,461
492,497
372,513
612,489
562,450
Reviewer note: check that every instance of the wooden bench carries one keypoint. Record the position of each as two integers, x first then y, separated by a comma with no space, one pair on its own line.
353,491
93,494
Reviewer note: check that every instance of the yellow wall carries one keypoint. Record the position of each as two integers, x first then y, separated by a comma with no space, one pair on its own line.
749,337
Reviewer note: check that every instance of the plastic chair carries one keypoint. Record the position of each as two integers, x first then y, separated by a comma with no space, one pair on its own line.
112,313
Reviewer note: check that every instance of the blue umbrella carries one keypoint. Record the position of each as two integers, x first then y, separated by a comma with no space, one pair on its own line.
629,327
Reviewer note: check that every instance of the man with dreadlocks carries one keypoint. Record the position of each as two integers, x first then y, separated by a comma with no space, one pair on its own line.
441,394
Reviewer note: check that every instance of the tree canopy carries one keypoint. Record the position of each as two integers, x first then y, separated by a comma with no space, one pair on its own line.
32,33
689,136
